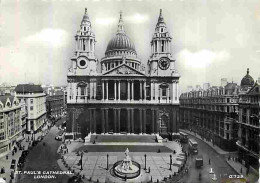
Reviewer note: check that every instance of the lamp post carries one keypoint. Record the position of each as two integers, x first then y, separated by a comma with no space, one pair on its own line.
145,162
170,162
107,161
81,162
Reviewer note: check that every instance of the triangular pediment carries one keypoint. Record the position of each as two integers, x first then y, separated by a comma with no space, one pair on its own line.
124,70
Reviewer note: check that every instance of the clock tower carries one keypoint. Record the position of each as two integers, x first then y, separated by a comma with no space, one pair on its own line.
161,62
84,61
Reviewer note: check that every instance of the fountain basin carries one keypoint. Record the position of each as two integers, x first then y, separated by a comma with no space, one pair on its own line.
131,173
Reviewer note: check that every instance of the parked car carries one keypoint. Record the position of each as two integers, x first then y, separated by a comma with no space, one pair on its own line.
13,164
21,161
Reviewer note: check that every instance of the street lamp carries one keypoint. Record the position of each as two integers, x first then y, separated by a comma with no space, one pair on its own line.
107,161
145,162
170,162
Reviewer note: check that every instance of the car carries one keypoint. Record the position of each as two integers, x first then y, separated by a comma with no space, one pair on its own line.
20,163
13,164
58,137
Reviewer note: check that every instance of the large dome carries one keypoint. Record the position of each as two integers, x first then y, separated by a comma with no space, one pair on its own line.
120,42
247,80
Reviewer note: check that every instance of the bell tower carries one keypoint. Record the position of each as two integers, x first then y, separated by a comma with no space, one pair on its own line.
161,62
84,61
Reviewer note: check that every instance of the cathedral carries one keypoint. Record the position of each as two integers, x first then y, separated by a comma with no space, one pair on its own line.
119,94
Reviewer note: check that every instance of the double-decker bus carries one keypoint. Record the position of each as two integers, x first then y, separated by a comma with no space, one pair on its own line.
183,137
193,146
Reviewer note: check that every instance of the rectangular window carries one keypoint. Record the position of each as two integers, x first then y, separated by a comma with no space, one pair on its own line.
2,125
1,116
2,136
163,92
31,108
31,101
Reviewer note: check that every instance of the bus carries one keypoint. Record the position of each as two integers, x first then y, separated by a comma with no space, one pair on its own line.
193,146
183,137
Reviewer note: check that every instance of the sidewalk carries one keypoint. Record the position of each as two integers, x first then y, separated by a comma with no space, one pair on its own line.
237,166
6,163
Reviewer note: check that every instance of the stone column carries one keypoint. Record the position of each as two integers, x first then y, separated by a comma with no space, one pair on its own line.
115,90
132,120
141,91
107,88
128,121
103,120
90,120
89,45
95,89
128,90
119,91
132,90
103,91
115,120
90,89
156,121
119,110
152,121
168,93
152,90
144,90
140,120
144,111
106,119
95,122
177,90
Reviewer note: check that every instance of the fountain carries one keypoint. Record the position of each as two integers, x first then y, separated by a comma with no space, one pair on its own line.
126,169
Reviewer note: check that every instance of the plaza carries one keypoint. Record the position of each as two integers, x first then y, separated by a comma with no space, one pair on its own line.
155,165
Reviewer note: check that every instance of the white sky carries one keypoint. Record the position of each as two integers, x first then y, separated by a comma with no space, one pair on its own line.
212,39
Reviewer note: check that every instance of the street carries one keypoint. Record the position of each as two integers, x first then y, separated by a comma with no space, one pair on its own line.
42,158
218,164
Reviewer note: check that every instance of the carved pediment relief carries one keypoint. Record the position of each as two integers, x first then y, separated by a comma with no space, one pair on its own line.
123,70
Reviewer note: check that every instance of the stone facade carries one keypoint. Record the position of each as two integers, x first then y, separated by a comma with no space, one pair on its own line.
212,113
248,134
55,105
122,97
10,123
35,105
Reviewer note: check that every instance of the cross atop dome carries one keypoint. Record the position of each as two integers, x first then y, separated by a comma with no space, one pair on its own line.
160,19
85,17
120,27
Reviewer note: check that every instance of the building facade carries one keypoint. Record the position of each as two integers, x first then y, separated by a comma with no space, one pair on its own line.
55,105
212,113
10,123
121,97
35,105
249,115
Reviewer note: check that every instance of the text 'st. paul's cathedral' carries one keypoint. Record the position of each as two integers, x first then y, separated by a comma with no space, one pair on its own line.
122,97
